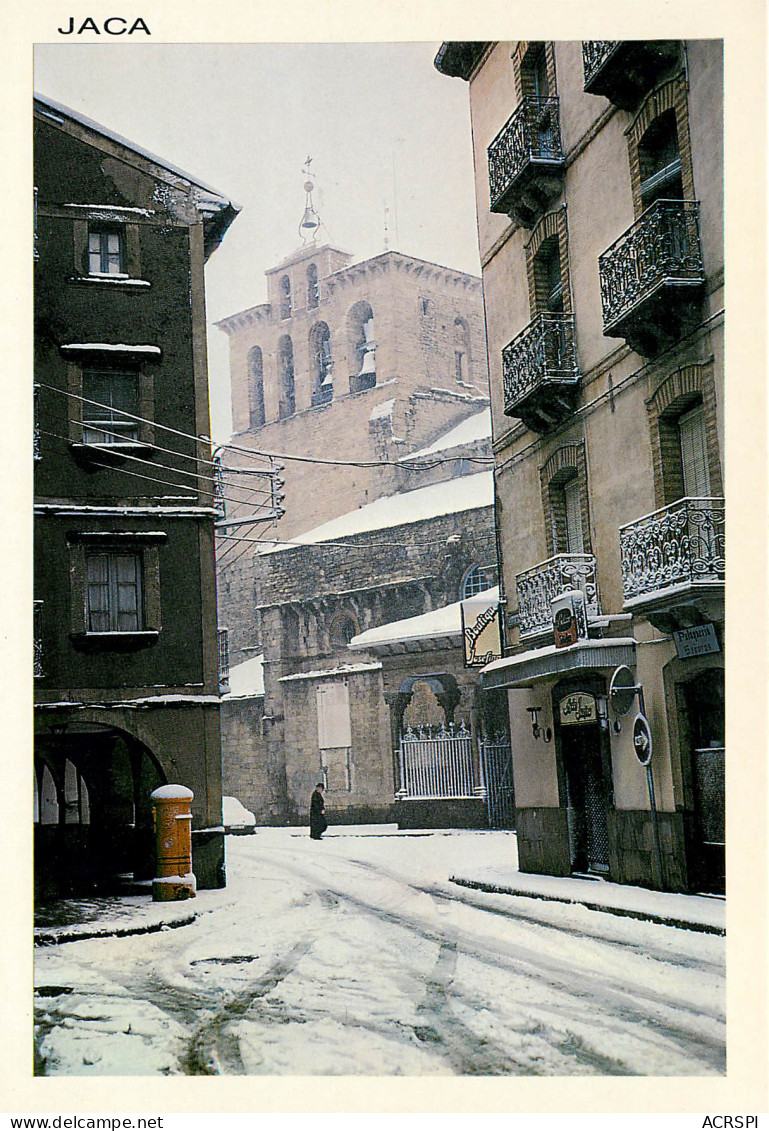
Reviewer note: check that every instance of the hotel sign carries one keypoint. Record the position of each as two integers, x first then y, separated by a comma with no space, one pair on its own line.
700,640
577,709
480,631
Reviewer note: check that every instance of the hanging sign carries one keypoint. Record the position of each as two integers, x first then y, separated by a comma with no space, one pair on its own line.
480,631
569,618
577,709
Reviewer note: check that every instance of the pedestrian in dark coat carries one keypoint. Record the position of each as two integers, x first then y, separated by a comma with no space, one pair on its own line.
318,822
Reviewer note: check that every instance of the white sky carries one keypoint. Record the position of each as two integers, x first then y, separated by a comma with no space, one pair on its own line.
379,121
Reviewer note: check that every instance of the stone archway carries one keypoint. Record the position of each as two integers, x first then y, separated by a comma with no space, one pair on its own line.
417,690
89,845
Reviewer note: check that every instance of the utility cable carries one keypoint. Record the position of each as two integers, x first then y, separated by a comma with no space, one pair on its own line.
406,463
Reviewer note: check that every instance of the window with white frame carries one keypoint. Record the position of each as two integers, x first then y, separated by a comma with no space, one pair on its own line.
110,400
478,579
106,249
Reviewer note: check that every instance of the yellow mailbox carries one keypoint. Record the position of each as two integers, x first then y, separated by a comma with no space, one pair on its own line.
174,878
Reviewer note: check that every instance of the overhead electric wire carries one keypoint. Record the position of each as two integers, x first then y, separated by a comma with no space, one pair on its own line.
176,470
166,482
406,463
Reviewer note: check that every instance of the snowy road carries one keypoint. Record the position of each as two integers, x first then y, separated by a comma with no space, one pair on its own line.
356,956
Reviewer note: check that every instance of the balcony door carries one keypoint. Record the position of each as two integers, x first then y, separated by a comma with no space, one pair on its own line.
694,453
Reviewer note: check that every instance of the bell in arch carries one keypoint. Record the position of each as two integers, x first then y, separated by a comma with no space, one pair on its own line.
368,365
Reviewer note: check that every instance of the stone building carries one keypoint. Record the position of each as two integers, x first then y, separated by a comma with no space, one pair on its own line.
126,666
599,194
361,362
327,712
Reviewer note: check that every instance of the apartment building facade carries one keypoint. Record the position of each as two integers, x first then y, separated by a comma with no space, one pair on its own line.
599,170
126,664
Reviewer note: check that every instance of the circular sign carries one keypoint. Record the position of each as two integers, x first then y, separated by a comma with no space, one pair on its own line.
642,740
622,690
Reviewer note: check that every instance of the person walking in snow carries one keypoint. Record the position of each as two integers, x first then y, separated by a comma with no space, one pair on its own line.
318,822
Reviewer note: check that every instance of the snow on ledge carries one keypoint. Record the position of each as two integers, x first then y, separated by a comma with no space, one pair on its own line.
115,347
345,669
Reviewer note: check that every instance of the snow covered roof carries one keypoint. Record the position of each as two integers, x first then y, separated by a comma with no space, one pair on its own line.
322,673
92,125
465,493
247,679
475,427
446,621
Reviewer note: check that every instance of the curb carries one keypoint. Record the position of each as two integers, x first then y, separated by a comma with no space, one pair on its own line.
592,905
53,938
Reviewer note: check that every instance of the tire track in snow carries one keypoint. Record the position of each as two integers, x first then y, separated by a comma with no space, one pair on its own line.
636,1005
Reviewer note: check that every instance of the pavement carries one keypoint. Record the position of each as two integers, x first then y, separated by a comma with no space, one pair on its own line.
70,920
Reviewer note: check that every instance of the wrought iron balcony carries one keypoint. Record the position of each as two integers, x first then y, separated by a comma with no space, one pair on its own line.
537,587
673,554
540,372
526,161
652,275
623,70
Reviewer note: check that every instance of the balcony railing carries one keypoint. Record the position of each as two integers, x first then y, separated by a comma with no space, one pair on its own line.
529,142
537,587
539,370
679,547
623,70
644,269
595,53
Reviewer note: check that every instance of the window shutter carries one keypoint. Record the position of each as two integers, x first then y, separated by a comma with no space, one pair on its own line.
97,592
573,503
694,453
127,592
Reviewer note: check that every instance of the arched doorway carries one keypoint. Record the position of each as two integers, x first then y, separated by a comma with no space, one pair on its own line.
93,813
586,772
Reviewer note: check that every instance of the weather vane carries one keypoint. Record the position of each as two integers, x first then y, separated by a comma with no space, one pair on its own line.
310,225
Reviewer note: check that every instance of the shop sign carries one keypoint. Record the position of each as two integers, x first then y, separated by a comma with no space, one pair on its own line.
700,640
577,709
480,631
569,618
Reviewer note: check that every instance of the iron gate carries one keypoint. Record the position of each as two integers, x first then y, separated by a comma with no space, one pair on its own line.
436,762
496,761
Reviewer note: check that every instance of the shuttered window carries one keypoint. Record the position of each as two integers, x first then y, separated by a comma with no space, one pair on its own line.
694,453
573,504
113,593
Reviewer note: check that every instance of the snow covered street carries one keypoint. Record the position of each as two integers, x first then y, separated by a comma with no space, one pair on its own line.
355,955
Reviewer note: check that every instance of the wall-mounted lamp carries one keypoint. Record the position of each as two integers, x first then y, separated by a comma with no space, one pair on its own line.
602,709
537,731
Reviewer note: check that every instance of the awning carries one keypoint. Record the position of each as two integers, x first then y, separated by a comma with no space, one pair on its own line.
540,663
